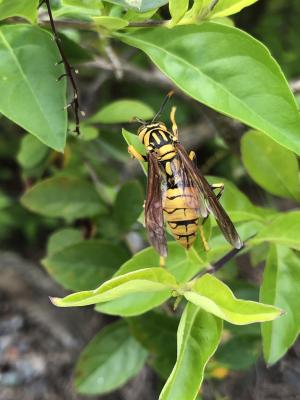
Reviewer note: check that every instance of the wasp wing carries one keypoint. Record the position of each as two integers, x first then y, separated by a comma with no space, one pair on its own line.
213,203
154,219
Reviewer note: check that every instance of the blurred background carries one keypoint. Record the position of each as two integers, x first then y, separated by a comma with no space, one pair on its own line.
39,344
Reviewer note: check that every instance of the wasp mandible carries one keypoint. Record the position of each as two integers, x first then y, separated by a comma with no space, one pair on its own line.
177,193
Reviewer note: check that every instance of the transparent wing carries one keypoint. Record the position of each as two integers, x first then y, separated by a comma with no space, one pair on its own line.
212,202
154,219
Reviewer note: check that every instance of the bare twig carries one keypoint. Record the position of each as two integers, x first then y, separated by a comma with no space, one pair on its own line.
68,68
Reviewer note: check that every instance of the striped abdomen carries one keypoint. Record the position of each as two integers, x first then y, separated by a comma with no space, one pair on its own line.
181,212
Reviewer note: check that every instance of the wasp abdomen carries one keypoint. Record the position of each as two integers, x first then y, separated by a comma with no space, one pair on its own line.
181,212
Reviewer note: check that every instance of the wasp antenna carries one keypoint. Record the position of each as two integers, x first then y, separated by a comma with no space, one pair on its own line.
164,103
141,121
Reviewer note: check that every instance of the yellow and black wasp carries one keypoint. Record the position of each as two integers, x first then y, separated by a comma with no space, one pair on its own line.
177,192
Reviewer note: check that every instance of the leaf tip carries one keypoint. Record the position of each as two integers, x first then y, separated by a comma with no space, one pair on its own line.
55,301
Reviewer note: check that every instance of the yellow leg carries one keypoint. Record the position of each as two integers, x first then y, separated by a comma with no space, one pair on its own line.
204,241
192,155
219,186
162,261
174,125
135,154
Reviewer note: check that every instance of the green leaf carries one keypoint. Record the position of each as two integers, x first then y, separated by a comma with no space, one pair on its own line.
110,23
198,337
111,358
30,94
281,287
19,8
87,5
236,204
32,152
86,264
235,75
123,110
239,353
157,333
61,239
139,5
131,194
142,281
65,197
183,265
229,7
215,297
270,165
177,10
282,230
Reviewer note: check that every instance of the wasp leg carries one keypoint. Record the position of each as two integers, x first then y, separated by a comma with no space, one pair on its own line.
219,186
136,154
192,155
162,261
203,238
174,125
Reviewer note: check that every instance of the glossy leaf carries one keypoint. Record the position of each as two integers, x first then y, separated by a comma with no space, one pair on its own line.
86,264
177,10
139,5
270,165
111,358
281,287
65,197
215,297
198,337
19,8
157,333
110,23
61,239
225,8
284,230
238,77
27,88
32,152
183,265
123,110
145,280
131,194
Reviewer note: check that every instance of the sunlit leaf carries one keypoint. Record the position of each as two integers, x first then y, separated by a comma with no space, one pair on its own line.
145,280
215,297
30,93
19,8
198,337
237,77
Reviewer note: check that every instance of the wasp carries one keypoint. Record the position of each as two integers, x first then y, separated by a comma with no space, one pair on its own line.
177,193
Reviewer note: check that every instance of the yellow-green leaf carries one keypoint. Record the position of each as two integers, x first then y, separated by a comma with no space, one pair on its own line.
215,297
148,280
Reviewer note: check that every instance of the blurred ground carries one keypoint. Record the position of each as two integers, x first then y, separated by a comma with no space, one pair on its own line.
39,345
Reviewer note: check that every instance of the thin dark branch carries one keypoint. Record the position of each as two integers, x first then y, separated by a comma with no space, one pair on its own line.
148,23
68,68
